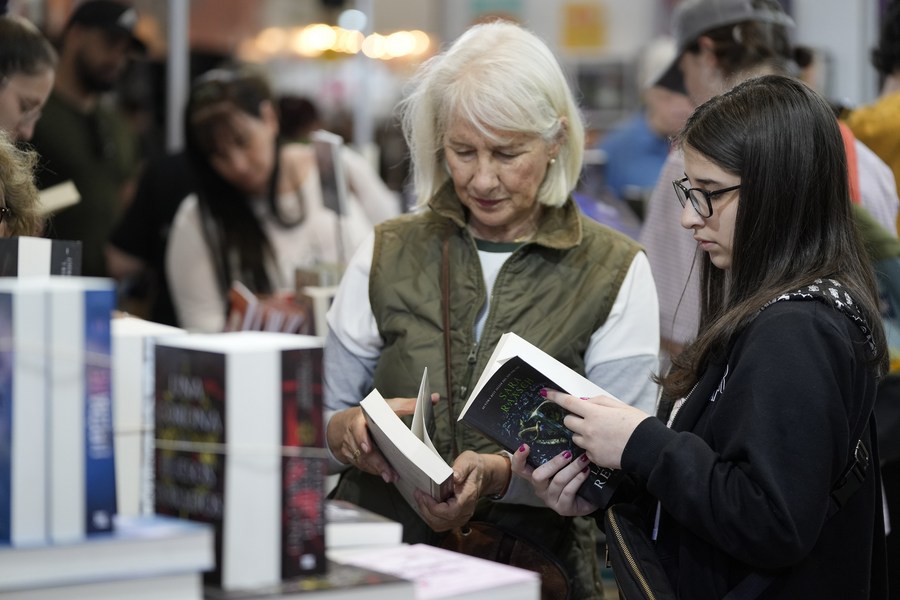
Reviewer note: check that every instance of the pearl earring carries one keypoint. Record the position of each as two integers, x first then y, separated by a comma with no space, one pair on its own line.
552,161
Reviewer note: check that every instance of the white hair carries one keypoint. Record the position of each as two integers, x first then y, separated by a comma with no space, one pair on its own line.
501,78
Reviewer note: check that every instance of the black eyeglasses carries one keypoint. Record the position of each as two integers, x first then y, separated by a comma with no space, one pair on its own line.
701,200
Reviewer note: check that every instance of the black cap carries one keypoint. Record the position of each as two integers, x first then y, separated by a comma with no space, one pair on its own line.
109,15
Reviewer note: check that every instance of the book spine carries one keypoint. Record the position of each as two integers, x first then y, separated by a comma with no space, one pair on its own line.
100,468
7,431
65,257
23,440
9,257
66,415
190,407
303,477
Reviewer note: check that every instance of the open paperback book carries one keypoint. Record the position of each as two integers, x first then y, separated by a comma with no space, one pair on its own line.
409,450
507,407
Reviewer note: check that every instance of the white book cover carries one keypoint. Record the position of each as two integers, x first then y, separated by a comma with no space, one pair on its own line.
232,411
81,462
350,526
58,197
133,343
409,450
23,439
511,345
444,575
25,256
181,586
143,546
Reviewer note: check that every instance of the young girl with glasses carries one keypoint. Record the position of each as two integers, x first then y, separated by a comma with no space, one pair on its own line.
759,480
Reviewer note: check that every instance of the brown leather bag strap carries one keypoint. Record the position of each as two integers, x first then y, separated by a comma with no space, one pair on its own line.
445,307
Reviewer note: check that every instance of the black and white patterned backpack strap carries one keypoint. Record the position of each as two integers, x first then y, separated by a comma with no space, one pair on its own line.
832,293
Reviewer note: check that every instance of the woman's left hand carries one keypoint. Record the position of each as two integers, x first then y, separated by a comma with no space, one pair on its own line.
601,425
472,472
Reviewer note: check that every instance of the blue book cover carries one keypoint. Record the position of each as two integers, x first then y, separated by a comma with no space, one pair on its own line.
23,442
100,470
6,433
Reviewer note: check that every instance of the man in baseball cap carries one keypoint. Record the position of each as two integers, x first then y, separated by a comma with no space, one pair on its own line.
694,18
83,136
116,18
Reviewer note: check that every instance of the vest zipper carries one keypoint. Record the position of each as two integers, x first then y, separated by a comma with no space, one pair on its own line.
471,359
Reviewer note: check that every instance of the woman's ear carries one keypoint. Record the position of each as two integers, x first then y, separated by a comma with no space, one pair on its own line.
561,137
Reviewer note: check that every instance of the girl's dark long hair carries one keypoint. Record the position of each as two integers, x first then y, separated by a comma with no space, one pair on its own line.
793,222
234,234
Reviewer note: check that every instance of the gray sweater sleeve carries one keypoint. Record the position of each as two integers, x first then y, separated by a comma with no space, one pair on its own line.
347,380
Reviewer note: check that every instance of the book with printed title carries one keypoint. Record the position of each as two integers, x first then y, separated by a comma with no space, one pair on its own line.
27,256
409,450
82,478
239,445
507,407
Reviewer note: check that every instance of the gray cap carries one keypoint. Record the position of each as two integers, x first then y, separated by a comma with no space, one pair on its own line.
692,18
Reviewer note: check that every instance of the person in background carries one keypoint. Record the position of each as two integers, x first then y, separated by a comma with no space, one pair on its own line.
299,119
766,408
136,252
27,69
497,142
875,124
636,149
720,43
18,195
80,137
27,63
257,214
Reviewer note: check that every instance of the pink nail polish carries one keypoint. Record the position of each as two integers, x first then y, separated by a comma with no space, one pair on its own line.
584,398
583,458
522,448
585,470
567,455
543,392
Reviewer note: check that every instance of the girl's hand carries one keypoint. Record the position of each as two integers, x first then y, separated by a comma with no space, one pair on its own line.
556,482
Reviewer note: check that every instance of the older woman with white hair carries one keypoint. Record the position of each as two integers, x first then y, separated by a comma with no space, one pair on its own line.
498,245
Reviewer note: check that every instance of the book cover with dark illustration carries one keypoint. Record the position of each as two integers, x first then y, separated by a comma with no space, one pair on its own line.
511,411
190,407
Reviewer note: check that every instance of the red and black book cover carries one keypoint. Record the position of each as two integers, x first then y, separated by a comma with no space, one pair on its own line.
303,474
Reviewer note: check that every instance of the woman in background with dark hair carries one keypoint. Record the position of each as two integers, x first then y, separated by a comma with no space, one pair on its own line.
27,70
258,212
770,407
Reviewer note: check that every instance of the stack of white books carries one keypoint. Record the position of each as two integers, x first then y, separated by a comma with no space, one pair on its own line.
440,574
57,473
133,345
350,526
240,444
143,557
